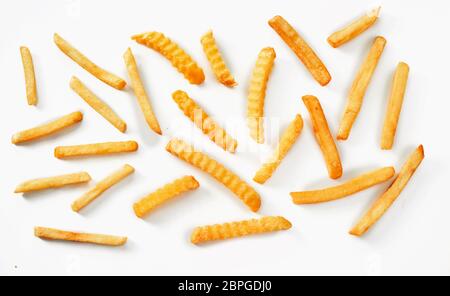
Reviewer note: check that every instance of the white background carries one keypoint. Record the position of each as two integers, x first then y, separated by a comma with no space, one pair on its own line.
411,239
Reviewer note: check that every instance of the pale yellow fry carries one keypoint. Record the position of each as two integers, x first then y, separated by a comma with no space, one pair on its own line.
287,140
139,91
324,137
84,62
348,188
96,239
386,200
257,93
98,105
303,51
239,229
47,129
149,203
240,188
204,122
101,187
53,182
96,149
354,29
394,106
216,61
359,88
30,77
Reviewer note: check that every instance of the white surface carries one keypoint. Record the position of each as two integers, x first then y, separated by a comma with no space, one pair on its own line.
411,239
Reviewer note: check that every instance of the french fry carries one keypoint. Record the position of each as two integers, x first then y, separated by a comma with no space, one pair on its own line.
204,122
98,105
359,88
257,93
85,63
139,91
303,51
174,53
240,188
216,61
387,199
149,203
53,182
30,77
239,229
96,239
348,188
47,129
287,140
62,152
324,137
394,106
354,29
101,187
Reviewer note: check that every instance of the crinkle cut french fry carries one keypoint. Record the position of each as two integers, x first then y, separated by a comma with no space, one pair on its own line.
30,77
96,149
355,29
388,198
303,51
47,129
203,121
348,188
84,62
239,229
241,189
146,205
53,182
101,187
257,93
174,53
288,139
96,239
359,88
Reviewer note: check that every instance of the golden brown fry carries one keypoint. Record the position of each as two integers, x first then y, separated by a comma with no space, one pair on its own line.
359,88
204,122
287,140
84,62
146,205
394,106
47,129
101,187
96,239
324,137
386,200
351,187
355,29
30,77
257,93
303,51
216,61
53,182
96,149
241,189
139,91
174,53
238,229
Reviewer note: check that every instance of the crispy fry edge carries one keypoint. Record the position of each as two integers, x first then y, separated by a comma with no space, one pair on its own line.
97,239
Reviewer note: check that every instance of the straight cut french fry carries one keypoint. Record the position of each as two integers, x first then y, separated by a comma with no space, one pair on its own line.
85,63
287,140
324,137
146,205
204,122
351,187
30,77
382,205
257,93
359,88
47,129
96,149
96,239
53,182
303,51
240,188
239,229
101,187
174,53
394,106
